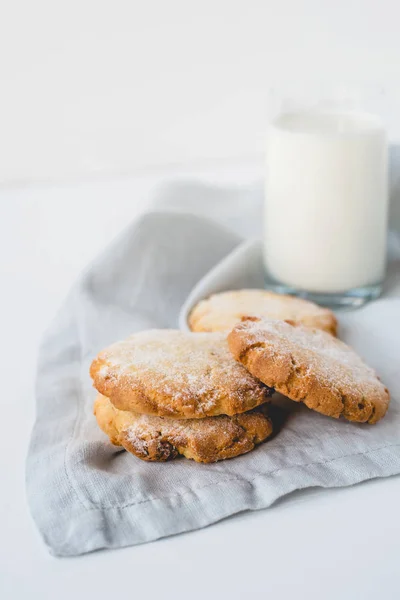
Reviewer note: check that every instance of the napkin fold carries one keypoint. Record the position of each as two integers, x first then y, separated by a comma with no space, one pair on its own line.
86,494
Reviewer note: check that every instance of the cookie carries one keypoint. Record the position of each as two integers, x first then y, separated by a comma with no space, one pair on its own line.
203,440
310,366
177,374
221,312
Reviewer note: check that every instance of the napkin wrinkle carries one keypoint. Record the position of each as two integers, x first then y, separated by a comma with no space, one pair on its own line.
224,481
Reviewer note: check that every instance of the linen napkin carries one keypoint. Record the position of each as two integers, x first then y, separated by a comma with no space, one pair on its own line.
86,494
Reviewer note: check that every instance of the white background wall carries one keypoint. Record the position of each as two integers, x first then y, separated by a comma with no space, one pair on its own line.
118,85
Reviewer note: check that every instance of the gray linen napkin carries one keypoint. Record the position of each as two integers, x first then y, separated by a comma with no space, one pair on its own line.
86,494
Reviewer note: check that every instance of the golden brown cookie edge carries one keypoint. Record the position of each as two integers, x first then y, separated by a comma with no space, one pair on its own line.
252,428
325,320
146,400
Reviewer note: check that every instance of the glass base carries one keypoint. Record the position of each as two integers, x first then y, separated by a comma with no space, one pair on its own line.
350,299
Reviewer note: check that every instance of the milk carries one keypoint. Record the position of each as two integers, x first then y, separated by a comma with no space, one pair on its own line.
326,201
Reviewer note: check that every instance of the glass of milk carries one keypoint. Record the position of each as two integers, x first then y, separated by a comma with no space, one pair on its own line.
326,204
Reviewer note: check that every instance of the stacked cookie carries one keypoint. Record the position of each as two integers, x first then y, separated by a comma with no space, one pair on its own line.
167,392
221,312
204,394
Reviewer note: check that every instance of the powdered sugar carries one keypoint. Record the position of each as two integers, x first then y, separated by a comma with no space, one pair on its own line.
321,354
221,312
213,434
182,372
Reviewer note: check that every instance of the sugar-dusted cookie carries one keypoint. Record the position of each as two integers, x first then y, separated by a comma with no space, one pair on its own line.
175,374
221,312
310,366
204,440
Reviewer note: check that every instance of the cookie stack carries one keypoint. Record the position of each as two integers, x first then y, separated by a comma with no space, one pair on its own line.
204,394
167,392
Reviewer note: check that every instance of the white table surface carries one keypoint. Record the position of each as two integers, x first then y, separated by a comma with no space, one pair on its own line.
326,544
